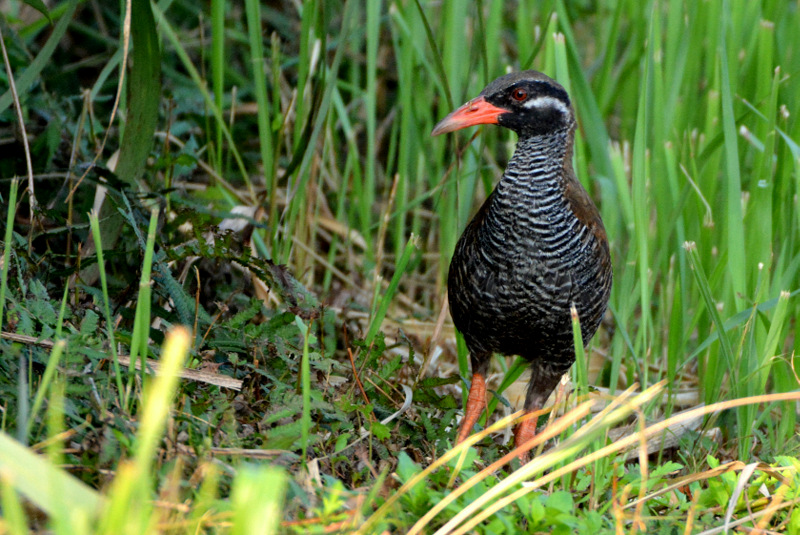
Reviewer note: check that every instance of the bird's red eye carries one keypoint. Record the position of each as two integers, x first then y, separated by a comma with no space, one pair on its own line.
519,94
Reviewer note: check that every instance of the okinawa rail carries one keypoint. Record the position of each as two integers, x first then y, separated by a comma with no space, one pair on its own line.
536,248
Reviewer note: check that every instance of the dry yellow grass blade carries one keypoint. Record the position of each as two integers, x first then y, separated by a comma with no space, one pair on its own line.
620,408
556,428
457,450
763,517
617,446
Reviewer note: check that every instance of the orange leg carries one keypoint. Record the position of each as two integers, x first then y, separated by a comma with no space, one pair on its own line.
476,402
522,434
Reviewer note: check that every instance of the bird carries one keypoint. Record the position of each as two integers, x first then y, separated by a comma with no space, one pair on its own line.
535,249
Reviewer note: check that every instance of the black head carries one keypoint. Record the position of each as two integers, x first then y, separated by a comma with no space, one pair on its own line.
528,102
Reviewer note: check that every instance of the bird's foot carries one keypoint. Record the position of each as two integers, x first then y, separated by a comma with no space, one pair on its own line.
476,402
524,432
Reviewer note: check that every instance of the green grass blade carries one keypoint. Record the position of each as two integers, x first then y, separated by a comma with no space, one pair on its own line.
145,77
129,507
733,182
12,207
305,384
44,384
142,319
13,514
257,498
98,243
218,70
581,364
259,74
367,199
44,484
712,388
388,295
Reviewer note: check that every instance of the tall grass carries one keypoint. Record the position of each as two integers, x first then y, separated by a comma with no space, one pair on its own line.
689,141
697,100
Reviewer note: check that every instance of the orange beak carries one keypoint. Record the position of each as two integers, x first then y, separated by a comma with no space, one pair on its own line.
476,111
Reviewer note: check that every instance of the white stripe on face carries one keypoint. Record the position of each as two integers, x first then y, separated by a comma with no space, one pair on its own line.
546,102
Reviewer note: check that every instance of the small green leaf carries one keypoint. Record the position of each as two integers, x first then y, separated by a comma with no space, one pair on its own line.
380,431
560,501
537,510
39,6
89,323
666,469
341,442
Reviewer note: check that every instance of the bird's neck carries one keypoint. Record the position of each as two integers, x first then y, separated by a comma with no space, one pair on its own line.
536,172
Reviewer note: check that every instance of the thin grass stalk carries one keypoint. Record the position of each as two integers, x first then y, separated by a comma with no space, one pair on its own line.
658,193
44,385
305,385
583,97
23,395
309,38
760,213
462,356
711,306
442,78
98,243
552,430
780,320
62,310
217,17
141,321
639,177
604,81
674,320
387,296
12,208
617,446
367,200
378,253
409,143
482,39
581,365
12,87
637,522
259,78
272,184
624,405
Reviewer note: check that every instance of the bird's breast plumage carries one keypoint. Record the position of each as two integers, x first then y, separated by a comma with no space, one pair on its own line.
525,258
